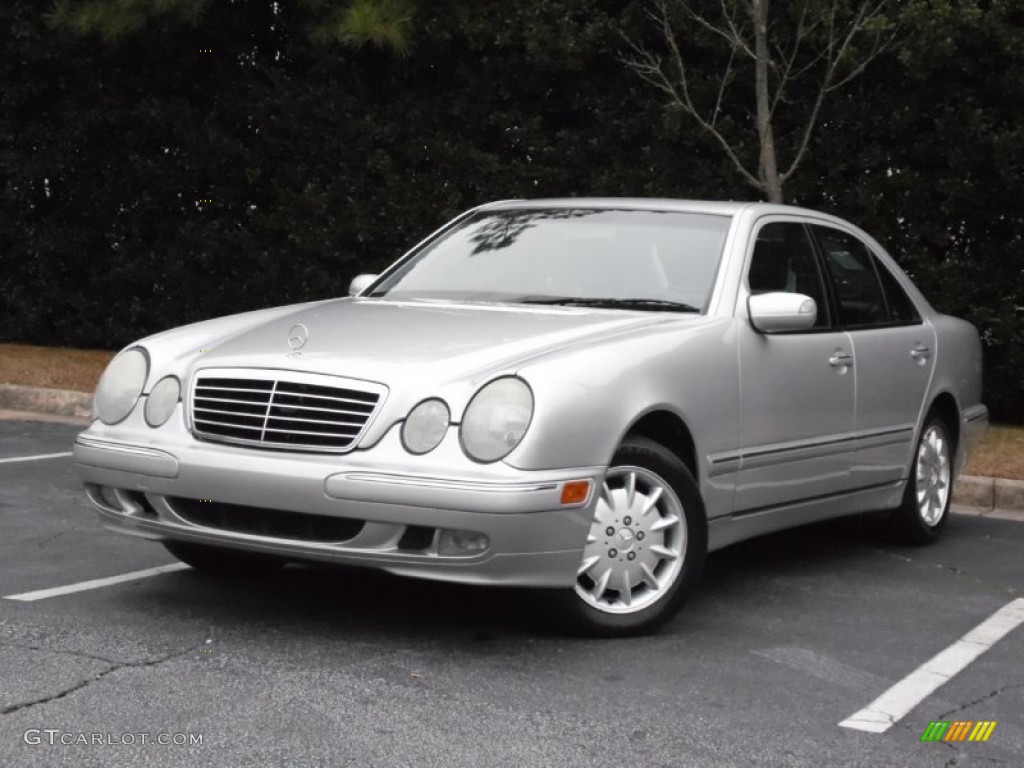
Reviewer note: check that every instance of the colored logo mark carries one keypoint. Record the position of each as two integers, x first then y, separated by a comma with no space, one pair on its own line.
958,730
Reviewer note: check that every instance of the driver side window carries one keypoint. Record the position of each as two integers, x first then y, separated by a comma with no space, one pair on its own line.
784,261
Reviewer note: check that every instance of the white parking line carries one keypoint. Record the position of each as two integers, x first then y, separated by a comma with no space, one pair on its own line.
82,586
885,711
35,458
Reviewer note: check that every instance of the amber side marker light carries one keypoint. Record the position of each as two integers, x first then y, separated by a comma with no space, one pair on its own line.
575,491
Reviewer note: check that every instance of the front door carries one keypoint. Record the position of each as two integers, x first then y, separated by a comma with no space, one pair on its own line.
796,388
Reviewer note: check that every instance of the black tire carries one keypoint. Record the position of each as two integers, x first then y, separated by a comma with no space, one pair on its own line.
577,614
224,563
909,524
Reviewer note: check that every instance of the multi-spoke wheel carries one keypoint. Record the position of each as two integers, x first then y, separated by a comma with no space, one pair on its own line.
925,507
646,545
635,548
932,475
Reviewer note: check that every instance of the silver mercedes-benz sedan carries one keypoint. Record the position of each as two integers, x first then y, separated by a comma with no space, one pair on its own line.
581,395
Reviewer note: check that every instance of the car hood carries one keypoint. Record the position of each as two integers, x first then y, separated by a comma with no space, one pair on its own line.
423,342
416,349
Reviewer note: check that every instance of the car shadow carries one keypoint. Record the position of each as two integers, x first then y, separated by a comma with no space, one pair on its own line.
361,603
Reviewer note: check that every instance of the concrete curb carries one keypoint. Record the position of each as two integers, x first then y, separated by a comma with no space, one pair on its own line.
987,512
52,418
59,402
989,493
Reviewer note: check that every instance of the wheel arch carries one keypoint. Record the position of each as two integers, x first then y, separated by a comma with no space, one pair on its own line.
670,430
945,406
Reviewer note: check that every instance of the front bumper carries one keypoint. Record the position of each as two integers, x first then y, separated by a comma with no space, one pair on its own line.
150,488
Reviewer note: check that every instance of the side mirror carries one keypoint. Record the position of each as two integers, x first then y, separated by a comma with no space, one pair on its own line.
777,312
360,283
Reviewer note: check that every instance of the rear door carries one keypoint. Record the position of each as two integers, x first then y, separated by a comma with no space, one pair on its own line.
893,349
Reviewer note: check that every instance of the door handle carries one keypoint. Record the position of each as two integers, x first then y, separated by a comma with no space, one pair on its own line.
920,352
840,359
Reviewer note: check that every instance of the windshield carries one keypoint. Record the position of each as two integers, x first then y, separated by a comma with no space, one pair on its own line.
649,260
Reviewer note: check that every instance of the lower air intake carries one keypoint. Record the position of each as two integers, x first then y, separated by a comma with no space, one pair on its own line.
259,521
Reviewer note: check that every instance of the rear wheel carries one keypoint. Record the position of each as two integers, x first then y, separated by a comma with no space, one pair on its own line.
646,546
925,508
222,562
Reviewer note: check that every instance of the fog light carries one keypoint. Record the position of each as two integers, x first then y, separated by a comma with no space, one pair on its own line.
575,492
463,542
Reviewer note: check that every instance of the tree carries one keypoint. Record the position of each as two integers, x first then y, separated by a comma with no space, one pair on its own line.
926,154
187,170
381,23
796,59
192,184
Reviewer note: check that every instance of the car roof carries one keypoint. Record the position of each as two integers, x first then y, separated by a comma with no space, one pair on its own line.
716,207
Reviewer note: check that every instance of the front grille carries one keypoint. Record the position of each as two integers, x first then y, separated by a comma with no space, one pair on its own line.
259,521
281,409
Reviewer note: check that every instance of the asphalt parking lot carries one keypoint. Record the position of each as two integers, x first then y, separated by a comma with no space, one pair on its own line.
789,635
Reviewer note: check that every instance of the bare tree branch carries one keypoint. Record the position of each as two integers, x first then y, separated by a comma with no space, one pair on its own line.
789,74
731,33
727,78
866,14
677,86
838,58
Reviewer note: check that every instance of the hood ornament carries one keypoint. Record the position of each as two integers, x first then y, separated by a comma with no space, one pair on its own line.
298,336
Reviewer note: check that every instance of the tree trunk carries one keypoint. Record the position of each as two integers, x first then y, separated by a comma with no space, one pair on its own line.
768,168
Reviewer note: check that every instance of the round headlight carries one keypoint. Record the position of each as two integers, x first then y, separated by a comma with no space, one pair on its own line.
425,426
496,419
120,386
162,400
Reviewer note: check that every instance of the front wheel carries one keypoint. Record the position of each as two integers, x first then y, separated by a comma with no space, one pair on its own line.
926,500
646,547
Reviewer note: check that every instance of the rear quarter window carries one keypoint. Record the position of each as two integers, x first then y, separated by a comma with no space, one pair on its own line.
901,308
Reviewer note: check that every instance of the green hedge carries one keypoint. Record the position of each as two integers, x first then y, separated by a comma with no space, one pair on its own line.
319,163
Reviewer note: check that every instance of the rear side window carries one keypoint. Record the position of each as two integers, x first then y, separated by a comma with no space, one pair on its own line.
901,309
860,300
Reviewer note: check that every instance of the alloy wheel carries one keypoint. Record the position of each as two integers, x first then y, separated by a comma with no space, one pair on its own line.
933,475
636,545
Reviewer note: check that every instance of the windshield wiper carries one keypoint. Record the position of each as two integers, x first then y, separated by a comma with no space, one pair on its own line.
649,305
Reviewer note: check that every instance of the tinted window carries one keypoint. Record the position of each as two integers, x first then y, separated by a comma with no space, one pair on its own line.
858,293
784,261
901,309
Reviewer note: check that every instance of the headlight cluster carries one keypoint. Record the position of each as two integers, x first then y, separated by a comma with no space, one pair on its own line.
121,385
425,426
494,423
162,400
496,419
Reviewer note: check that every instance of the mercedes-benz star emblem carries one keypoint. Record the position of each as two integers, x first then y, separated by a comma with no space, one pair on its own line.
298,336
